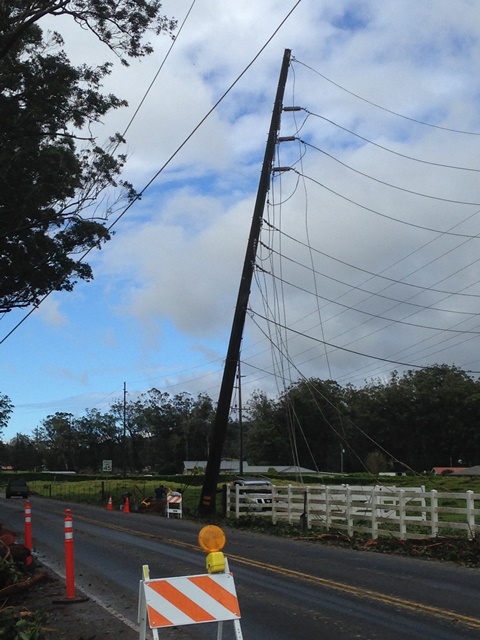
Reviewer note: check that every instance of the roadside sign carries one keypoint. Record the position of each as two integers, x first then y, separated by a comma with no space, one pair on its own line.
107,465
174,504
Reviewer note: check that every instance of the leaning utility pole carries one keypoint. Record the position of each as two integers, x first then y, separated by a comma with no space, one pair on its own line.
208,496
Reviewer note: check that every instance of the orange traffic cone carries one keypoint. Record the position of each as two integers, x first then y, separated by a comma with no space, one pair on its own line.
110,505
126,508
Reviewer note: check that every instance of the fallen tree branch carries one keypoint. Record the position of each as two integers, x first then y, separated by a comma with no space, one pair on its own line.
22,586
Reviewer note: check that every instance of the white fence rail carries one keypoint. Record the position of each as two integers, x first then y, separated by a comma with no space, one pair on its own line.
377,510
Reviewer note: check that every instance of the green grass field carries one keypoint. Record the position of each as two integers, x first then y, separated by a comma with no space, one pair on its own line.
97,491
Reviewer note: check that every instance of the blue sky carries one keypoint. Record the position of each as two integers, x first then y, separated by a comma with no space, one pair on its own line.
159,310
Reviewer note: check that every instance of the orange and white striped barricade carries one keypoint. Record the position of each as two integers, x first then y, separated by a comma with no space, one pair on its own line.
175,602
174,504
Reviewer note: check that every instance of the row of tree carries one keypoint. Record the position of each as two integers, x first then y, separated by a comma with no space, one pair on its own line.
421,419
418,420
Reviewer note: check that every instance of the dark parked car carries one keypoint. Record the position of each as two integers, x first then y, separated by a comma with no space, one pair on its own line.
16,487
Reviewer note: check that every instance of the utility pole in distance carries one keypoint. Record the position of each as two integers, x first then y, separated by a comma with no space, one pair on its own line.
209,490
124,439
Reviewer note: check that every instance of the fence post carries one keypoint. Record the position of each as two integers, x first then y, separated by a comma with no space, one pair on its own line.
402,514
225,499
289,504
373,501
348,512
470,515
69,570
328,515
274,509
305,517
434,512
307,508
237,501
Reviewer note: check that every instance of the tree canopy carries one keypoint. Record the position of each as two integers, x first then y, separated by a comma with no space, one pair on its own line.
55,175
421,419
416,421
120,24
6,408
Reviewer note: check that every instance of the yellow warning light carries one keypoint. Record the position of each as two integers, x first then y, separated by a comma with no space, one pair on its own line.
211,538
215,562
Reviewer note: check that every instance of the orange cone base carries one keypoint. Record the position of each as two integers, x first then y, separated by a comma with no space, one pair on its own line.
71,600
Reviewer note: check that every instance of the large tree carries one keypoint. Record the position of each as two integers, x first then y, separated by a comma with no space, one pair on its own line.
53,169
99,438
24,455
6,408
59,434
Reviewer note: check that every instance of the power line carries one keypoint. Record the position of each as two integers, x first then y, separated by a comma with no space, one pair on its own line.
419,342
384,215
367,313
175,40
387,184
415,312
358,288
274,228
372,273
336,408
430,353
397,153
395,113
442,280
334,346
399,282
420,268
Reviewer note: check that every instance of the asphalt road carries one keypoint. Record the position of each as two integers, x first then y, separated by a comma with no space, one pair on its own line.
287,589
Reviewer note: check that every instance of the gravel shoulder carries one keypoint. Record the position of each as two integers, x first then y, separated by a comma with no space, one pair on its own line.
77,620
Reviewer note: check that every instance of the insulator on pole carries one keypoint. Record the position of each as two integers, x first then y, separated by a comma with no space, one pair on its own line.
292,108
287,139
280,169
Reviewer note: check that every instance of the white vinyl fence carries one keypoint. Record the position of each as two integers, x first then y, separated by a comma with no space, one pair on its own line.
377,510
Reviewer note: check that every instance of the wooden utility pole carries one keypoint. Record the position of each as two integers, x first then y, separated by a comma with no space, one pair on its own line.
208,496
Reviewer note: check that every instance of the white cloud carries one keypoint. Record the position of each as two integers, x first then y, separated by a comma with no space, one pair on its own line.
50,313
183,264
67,374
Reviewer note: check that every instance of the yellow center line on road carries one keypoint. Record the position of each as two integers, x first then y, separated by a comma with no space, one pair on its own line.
359,592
